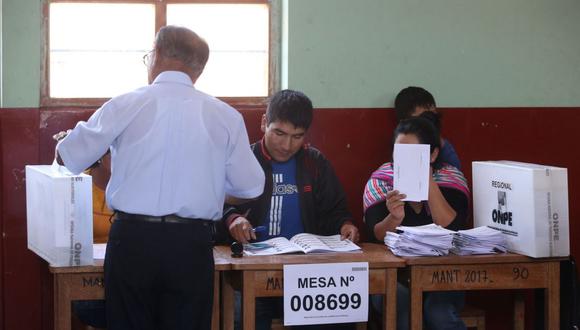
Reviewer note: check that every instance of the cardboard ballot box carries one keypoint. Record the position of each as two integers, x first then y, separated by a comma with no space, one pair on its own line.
59,215
527,202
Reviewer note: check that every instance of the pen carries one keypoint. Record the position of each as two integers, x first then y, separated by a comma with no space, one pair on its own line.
259,229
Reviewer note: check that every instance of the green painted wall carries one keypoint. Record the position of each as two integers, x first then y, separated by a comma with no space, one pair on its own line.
468,53
346,53
21,41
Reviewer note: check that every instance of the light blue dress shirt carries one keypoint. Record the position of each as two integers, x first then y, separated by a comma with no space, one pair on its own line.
174,150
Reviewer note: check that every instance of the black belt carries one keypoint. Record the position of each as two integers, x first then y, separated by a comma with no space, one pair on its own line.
172,218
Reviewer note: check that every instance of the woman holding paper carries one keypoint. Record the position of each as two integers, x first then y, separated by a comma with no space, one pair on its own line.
447,205
448,201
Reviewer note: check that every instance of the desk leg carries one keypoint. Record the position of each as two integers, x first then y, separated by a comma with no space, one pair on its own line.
215,315
227,301
390,305
416,303
62,304
519,311
249,300
552,300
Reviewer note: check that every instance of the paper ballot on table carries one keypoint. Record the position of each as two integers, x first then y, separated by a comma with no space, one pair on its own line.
411,171
99,250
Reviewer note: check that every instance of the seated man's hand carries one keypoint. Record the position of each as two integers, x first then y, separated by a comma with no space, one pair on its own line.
241,230
349,231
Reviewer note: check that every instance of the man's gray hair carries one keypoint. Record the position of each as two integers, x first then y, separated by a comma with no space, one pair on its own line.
181,43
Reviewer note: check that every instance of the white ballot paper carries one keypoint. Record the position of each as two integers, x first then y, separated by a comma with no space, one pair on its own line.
411,171
99,250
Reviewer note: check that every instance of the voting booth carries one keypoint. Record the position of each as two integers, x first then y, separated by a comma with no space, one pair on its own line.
59,215
527,202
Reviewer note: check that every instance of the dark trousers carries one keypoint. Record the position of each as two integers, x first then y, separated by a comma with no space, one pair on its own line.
441,309
159,275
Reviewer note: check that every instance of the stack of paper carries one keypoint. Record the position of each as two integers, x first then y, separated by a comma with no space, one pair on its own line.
480,240
428,240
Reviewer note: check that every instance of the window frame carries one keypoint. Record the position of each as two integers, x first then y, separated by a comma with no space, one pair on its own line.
161,20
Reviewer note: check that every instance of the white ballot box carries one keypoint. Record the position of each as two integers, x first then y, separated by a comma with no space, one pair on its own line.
59,212
527,202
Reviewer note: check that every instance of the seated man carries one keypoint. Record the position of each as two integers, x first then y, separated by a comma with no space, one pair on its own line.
302,192
412,102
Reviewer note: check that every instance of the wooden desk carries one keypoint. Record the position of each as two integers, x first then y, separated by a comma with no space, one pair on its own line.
87,283
262,276
485,272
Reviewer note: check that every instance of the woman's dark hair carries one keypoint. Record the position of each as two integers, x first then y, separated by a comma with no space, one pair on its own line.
290,106
425,127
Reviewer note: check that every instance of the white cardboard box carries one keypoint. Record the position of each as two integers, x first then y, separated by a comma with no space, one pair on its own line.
527,202
59,213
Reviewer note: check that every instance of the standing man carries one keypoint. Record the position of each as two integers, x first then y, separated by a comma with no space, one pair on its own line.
302,192
176,152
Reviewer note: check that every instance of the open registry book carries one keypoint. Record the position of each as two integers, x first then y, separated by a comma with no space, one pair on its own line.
306,243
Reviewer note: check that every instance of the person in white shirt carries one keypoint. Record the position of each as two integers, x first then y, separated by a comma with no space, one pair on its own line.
177,154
